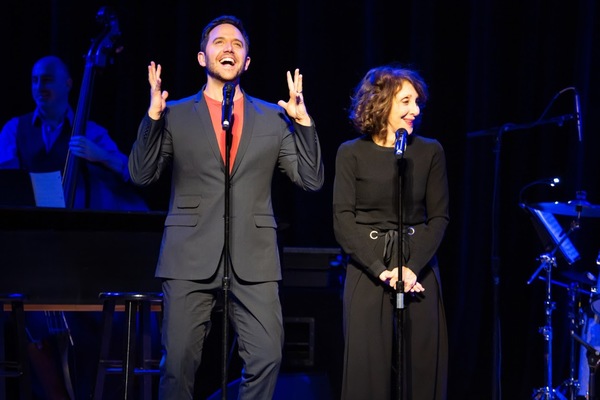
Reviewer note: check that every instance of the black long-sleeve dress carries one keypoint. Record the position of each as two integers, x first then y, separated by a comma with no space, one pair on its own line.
365,208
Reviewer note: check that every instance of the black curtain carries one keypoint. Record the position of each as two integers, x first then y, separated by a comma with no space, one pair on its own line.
488,63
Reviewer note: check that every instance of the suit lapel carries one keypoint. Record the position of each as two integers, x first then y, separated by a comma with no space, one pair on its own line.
247,130
202,113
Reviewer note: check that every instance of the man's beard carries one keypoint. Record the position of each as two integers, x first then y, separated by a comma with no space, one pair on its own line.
215,74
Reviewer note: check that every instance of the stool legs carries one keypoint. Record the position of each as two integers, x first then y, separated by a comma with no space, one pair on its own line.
130,345
108,310
22,342
147,360
19,368
134,309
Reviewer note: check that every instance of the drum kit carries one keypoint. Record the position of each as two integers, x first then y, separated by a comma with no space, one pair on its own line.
584,327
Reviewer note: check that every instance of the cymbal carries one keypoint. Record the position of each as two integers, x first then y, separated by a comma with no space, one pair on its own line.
572,208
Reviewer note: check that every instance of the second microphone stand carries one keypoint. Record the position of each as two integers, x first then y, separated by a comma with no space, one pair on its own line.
401,140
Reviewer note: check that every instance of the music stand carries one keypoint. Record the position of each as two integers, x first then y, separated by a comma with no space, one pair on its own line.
551,233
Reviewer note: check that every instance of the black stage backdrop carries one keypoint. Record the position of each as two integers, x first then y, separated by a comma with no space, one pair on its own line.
488,63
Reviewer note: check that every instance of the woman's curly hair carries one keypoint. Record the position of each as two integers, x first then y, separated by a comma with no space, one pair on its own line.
372,100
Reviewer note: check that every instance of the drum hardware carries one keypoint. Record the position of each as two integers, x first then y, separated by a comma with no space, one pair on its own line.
595,303
585,278
589,350
576,321
553,236
593,359
577,316
547,262
567,286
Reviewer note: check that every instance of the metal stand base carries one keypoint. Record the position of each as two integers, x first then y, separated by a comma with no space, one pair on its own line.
547,393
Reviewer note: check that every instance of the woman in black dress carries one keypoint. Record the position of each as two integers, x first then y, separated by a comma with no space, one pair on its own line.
366,223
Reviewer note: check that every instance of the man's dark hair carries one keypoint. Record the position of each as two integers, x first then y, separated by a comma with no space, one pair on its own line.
224,19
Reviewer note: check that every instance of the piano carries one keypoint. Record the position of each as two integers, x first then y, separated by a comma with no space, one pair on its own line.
67,257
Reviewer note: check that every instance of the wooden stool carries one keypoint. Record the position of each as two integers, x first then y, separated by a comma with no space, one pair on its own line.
18,367
137,313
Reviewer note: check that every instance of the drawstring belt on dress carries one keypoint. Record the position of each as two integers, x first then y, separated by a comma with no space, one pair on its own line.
391,241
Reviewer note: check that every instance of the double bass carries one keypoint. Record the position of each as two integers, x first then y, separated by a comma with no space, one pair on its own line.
101,52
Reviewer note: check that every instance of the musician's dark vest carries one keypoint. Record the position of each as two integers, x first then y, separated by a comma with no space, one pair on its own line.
31,148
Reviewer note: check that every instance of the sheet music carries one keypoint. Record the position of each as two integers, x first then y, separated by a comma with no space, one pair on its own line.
47,189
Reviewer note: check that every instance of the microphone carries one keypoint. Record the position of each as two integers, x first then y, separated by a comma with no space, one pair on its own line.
401,138
227,105
578,114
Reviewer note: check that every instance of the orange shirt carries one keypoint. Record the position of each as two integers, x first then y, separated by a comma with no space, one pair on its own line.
216,113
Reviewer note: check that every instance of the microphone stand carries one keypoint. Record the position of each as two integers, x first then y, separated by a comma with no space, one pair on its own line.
400,306
495,256
227,124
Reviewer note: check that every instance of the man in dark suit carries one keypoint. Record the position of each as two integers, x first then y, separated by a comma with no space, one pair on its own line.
187,138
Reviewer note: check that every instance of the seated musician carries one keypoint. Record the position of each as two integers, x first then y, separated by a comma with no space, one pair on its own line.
40,141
